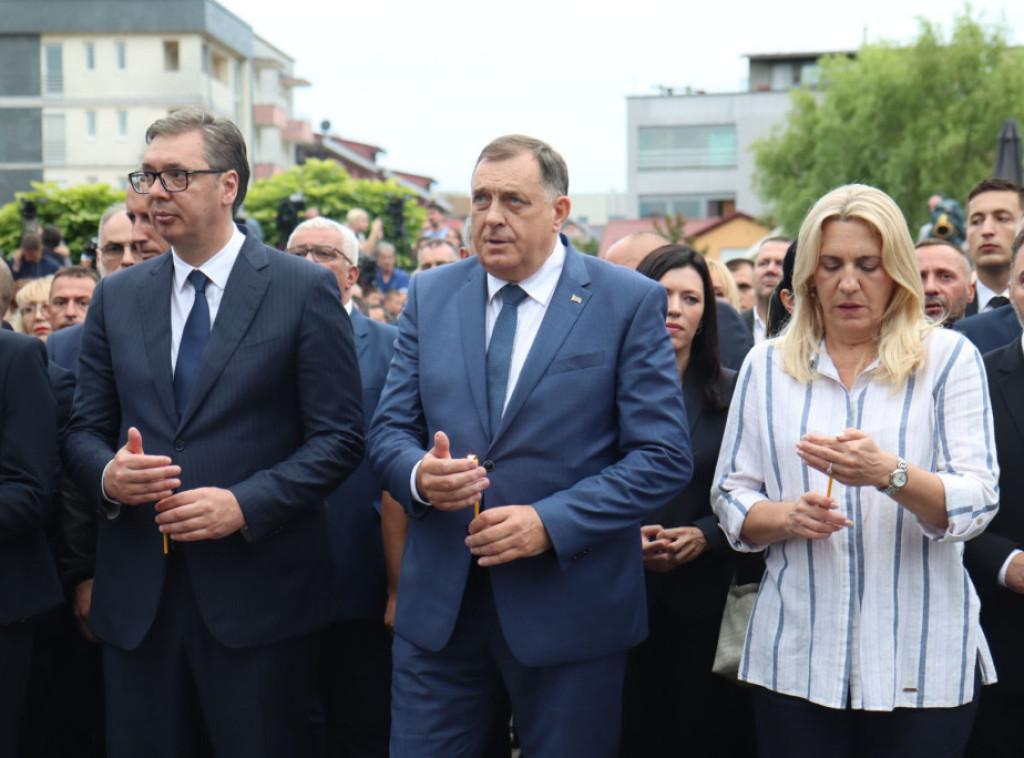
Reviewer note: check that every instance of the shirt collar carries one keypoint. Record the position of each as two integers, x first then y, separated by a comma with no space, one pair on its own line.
983,294
540,285
217,268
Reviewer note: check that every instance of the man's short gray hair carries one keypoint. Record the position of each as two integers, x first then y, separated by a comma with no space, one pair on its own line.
349,244
554,175
111,211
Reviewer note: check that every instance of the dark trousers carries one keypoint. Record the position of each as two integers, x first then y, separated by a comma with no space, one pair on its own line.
15,667
670,691
791,727
445,703
182,694
64,711
999,729
354,675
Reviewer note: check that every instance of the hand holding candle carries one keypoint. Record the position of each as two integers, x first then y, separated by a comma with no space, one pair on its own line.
446,483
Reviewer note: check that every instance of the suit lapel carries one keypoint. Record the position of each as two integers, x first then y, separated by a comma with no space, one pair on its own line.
154,302
360,332
568,301
1011,382
247,284
472,304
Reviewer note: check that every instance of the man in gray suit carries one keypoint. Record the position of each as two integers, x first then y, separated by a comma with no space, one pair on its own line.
207,367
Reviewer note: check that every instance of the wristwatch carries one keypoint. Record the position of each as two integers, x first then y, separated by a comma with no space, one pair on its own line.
897,479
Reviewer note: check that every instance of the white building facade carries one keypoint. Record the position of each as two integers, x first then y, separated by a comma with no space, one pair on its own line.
83,80
691,154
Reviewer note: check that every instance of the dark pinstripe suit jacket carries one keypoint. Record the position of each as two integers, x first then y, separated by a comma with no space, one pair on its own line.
275,416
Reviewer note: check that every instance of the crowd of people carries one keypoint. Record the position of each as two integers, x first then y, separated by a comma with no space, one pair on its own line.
260,502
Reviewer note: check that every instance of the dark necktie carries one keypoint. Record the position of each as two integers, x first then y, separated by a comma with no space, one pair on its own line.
193,340
997,301
499,352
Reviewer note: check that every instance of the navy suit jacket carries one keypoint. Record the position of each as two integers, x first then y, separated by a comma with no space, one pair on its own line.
735,335
274,416
355,506
28,479
1002,610
698,588
64,345
594,436
991,329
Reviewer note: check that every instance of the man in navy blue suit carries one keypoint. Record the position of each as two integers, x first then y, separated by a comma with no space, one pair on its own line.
553,370
218,404
354,669
995,558
28,475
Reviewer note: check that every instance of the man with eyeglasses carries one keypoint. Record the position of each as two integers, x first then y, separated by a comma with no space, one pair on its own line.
118,249
226,373
354,669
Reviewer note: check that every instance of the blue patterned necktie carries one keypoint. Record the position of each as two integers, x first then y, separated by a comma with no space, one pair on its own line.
193,340
499,352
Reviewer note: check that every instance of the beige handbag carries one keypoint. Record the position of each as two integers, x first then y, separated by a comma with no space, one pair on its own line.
732,634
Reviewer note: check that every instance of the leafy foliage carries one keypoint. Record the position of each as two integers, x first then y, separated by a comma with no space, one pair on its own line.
673,228
912,121
328,187
75,210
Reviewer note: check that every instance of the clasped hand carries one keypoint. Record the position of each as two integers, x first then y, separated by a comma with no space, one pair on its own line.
133,478
664,549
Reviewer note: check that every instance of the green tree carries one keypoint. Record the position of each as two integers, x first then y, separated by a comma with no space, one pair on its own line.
329,188
75,210
911,120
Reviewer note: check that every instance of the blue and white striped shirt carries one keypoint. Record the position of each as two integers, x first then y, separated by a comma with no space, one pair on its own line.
880,615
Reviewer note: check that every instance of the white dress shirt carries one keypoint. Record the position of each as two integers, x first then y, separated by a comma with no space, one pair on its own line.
882,614
983,294
217,270
539,287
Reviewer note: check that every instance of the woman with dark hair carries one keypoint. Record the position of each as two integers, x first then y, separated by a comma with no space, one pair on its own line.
673,703
782,302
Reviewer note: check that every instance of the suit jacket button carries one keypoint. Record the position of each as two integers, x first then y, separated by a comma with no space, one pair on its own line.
179,445
488,465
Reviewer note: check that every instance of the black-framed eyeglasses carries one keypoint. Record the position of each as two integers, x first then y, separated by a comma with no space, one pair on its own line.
173,180
320,253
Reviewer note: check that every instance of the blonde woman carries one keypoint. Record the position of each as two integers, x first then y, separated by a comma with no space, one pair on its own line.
847,459
722,282
33,312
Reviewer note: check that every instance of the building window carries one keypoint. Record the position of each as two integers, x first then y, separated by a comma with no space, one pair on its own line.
171,50
90,124
121,53
122,124
53,69
691,206
54,146
663,147
219,67
204,63
90,56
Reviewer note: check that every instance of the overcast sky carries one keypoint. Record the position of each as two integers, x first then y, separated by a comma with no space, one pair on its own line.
432,83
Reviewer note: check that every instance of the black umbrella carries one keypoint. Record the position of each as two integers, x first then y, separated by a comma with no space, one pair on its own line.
1009,156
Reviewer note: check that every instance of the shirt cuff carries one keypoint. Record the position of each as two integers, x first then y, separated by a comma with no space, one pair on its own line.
412,485
1005,568
111,507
